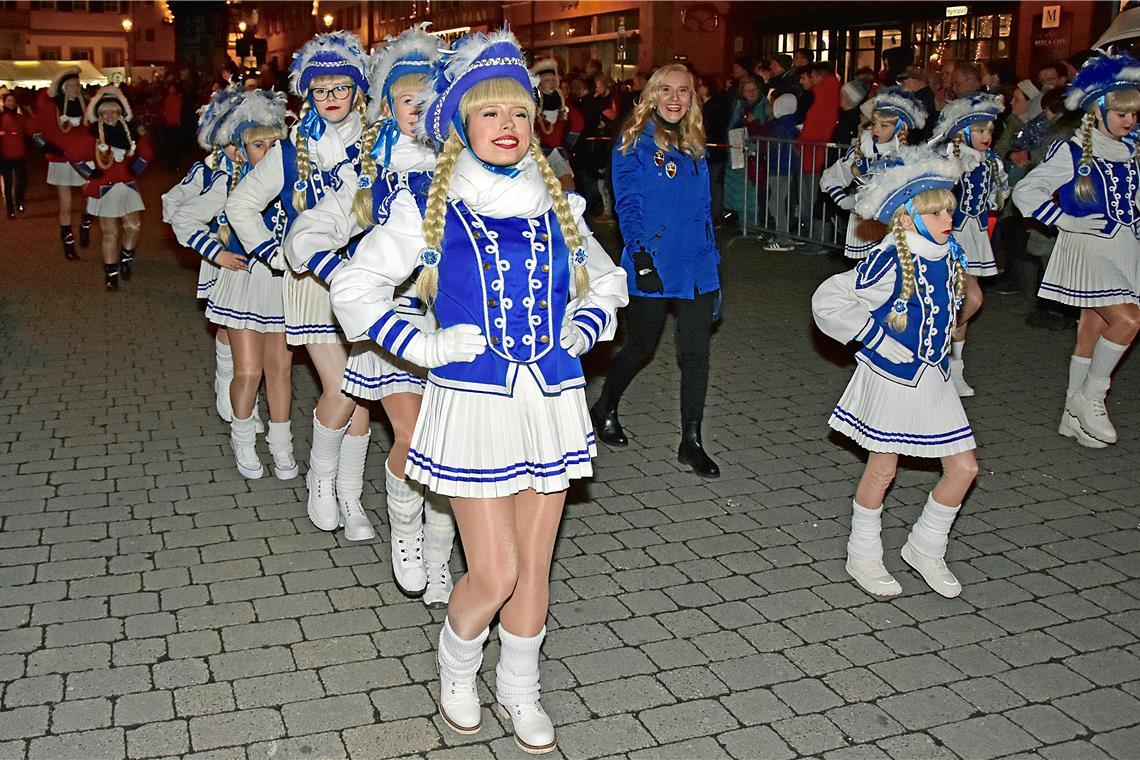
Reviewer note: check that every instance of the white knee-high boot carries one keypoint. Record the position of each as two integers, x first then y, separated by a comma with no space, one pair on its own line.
280,440
243,439
439,537
324,457
517,691
350,486
865,553
223,374
458,662
925,548
406,520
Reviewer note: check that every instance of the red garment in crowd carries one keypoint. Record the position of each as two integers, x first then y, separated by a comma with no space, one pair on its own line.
172,109
126,171
819,123
556,137
13,135
61,143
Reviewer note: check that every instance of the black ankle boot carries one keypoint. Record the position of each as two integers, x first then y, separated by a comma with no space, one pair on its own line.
67,237
605,418
126,262
85,230
692,453
111,276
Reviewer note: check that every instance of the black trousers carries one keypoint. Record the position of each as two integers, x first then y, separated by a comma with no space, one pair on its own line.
15,177
645,318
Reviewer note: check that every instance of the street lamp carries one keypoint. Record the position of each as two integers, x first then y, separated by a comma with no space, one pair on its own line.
328,19
128,28
242,26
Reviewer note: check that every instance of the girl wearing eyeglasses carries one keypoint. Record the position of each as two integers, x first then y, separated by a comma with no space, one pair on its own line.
328,72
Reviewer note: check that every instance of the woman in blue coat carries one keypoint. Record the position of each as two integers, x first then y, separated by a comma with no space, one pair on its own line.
661,186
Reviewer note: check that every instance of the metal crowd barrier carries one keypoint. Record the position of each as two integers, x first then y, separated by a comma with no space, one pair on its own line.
782,199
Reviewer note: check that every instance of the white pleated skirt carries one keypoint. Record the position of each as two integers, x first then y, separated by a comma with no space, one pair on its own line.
249,299
479,445
117,202
890,418
207,277
975,241
372,373
1089,271
862,236
62,174
308,311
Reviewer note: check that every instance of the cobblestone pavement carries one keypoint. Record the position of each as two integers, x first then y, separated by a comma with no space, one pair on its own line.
157,604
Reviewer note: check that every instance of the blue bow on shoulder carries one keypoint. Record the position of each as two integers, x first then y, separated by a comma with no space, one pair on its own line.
312,125
386,139
958,254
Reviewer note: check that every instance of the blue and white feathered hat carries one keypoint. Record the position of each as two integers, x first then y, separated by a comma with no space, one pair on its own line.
329,54
472,59
414,51
897,179
255,108
903,105
212,116
1099,76
959,114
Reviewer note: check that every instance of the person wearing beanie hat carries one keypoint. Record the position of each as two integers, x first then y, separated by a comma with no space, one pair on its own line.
520,290
322,154
112,160
59,110
1095,263
901,304
391,192
894,113
966,128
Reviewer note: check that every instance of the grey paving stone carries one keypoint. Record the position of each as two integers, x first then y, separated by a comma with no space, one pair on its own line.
703,748
756,743
327,746
1040,683
608,665
332,713
1046,723
107,743
927,707
241,728
918,672
23,722
810,734
862,722
692,683
81,715
757,670
985,737
206,699
401,702
151,707
277,689
687,720
108,682
627,695
1102,709
37,690
167,739
395,739
601,736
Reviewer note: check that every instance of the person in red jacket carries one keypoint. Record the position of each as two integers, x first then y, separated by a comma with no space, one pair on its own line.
819,124
59,111
114,158
13,155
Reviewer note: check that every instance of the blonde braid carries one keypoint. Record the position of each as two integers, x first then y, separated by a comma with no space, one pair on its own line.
304,166
904,134
362,202
570,232
896,319
224,229
956,144
435,214
959,284
1084,186
855,170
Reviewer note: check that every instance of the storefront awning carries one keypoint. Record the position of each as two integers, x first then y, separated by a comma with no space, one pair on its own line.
41,73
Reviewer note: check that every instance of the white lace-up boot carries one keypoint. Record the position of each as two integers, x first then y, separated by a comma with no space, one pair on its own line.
324,457
406,520
865,553
280,440
350,486
925,548
458,664
439,537
517,691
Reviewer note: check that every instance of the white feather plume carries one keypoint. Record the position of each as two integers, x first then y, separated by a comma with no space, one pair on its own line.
962,108
211,115
912,107
265,108
916,163
1127,76
411,41
347,43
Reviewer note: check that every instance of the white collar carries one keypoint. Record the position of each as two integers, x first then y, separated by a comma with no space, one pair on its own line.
411,155
1107,147
925,249
871,149
498,196
349,129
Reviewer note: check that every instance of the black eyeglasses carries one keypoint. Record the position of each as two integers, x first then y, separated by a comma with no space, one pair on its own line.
340,92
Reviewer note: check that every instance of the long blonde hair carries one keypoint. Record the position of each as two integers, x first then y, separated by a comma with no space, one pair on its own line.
249,136
304,164
362,202
929,202
1117,100
487,92
691,126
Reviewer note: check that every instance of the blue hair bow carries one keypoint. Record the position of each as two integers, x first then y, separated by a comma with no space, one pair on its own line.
958,254
386,139
312,125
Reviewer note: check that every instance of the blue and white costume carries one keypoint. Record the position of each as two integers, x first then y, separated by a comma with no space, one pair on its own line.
984,187
910,408
837,180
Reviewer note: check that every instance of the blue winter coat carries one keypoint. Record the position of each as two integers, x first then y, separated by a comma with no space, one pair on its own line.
670,216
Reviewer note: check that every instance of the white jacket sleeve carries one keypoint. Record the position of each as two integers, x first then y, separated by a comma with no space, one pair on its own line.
836,178
1033,195
253,194
595,313
319,232
189,207
842,305
363,292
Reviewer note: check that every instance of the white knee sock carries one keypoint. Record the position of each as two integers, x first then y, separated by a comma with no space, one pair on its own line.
929,535
460,658
325,453
439,529
350,467
1078,371
956,347
865,543
223,361
516,675
1106,355
405,505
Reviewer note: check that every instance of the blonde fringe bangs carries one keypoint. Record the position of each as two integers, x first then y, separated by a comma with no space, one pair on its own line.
692,126
495,91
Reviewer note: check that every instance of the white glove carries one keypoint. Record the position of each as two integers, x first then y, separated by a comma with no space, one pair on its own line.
573,339
893,351
458,343
848,203
330,150
1081,225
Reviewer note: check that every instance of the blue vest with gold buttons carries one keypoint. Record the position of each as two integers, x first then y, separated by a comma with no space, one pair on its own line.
511,278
